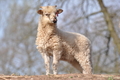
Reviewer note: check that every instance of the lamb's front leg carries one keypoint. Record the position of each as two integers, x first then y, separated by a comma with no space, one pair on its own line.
47,63
56,58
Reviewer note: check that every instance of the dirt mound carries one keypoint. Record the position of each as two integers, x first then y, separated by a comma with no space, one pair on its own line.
62,77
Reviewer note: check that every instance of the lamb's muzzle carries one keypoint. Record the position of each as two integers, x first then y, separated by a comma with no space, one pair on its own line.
54,20
67,46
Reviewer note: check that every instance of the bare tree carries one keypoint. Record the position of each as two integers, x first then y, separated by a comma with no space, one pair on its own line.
110,25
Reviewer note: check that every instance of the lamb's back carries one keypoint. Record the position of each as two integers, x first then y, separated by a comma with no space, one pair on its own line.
76,41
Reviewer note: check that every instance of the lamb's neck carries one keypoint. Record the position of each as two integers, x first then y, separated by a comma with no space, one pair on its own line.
48,29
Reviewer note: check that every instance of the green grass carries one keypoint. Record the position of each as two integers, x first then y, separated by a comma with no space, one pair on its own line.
110,78
70,77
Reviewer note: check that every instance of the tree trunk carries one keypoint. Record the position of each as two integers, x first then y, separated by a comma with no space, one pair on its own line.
110,25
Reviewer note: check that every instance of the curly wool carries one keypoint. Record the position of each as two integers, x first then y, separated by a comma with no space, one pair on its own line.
71,47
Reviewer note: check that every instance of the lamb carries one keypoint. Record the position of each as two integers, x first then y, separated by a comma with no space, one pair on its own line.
67,46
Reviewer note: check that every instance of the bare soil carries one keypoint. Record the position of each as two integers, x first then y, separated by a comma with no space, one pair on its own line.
62,77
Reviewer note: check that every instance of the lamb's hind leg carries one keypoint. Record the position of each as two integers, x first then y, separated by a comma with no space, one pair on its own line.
76,64
85,61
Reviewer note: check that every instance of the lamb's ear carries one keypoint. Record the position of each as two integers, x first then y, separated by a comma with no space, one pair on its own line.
59,11
40,12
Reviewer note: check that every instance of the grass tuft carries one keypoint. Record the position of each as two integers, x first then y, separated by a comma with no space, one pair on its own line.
110,78
70,77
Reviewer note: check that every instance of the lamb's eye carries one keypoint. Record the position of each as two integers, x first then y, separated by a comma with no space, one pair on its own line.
47,14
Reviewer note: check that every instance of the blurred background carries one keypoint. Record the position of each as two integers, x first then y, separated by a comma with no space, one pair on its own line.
18,29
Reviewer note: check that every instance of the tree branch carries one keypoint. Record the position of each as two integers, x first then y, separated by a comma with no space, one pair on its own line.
110,25
83,17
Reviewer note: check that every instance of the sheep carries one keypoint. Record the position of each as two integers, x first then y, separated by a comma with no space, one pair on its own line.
67,46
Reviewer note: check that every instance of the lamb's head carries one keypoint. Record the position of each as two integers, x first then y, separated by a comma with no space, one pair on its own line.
49,13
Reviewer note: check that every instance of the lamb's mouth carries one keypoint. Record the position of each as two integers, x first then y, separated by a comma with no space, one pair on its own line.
54,21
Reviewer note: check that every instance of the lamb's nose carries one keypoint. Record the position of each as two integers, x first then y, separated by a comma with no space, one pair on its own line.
55,20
